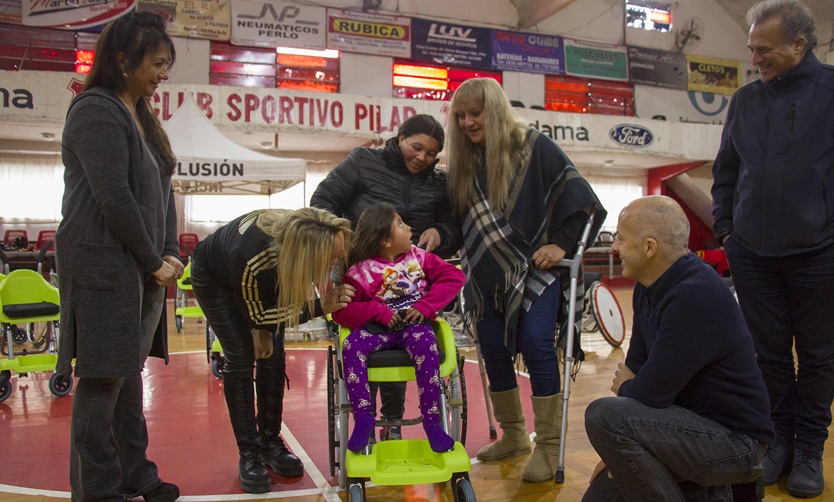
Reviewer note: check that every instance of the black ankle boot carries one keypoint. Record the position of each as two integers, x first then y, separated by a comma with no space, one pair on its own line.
281,460
777,462
166,492
806,479
254,477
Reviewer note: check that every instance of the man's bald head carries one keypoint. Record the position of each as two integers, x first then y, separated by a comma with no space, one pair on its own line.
662,219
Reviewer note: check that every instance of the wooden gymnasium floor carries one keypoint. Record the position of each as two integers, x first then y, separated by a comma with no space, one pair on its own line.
192,443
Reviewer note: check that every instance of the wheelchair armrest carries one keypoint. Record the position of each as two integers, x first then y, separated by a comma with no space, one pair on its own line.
24,310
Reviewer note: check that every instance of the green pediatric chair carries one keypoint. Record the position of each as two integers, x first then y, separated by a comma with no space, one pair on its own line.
184,310
26,298
407,461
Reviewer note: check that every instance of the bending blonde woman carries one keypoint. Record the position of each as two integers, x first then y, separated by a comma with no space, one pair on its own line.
522,205
253,277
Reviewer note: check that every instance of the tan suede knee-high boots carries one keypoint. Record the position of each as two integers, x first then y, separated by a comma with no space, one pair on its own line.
506,407
548,423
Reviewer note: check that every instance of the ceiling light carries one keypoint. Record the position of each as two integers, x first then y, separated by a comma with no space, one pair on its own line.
48,136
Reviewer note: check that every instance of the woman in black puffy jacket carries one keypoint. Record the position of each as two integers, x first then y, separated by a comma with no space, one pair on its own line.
402,173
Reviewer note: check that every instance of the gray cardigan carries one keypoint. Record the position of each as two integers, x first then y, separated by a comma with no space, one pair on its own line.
118,221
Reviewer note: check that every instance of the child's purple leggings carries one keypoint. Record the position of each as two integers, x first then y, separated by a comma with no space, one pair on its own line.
421,344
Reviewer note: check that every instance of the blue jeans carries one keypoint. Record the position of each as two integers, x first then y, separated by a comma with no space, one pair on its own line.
789,301
666,454
536,342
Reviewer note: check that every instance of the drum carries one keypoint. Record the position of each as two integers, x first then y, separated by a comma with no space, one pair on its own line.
607,314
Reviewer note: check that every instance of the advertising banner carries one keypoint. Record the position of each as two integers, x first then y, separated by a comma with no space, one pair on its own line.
278,24
366,33
208,19
10,11
74,15
708,74
43,98
657,68
527,52
451,44
589,59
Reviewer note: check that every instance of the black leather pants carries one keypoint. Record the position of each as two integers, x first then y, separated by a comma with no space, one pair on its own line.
232,329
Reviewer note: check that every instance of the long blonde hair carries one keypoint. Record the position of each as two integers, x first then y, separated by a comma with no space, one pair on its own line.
304,241
505,149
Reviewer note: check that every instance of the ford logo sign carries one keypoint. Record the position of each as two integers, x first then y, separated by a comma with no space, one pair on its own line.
631,135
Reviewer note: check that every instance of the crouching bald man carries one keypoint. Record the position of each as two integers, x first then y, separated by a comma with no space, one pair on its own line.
691,416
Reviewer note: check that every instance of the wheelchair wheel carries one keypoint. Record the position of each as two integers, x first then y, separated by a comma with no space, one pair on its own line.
608,314
19,335
56,337
462,488
456,398
5,385
589,321
178,321
331,409
356,493
342,431
59,384
217,363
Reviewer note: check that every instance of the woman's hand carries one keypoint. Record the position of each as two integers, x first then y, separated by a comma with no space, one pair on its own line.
548,256
175,262
337,298
263,342
431,238
165,275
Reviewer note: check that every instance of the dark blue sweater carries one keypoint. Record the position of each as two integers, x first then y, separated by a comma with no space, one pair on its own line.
690,347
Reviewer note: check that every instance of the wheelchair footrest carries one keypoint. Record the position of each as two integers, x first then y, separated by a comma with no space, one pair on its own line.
407,462
31,363
189,312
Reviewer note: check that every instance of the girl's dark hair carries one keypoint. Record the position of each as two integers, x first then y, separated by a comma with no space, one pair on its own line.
373,227
423,124
135,35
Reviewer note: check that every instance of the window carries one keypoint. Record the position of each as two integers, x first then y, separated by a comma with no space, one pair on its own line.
285,69
421,81
648,15
30,48
581,95
308,70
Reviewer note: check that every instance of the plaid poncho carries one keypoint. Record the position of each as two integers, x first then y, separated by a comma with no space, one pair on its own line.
498,246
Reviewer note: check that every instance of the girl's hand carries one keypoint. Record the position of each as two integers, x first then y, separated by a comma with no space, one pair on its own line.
394,320
413,316
548,256
262,340
337,298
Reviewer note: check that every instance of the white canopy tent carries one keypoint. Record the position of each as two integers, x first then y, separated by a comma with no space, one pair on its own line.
211,163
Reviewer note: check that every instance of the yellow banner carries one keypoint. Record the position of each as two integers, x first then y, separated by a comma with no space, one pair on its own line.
706,74
209,19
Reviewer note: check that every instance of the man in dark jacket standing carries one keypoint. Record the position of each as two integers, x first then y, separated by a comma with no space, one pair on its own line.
773,213
402,173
